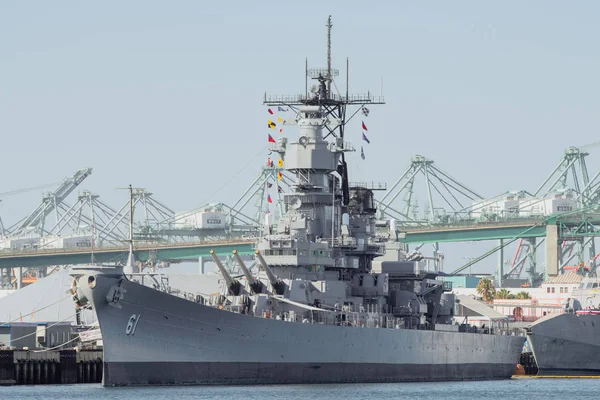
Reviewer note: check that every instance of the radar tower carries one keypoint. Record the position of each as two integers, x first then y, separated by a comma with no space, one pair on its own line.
333,107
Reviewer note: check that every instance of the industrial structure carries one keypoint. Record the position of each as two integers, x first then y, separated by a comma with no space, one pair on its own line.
427,206
59,233
563,212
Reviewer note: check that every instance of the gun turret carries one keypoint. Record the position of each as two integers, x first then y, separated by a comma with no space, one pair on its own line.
277,283
255,285
233,286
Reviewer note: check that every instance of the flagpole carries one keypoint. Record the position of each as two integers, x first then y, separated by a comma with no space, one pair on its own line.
306,78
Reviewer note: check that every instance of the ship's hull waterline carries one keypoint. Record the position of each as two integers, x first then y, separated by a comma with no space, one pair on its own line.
153,338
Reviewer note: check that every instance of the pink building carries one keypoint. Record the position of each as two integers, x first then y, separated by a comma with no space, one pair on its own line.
546,299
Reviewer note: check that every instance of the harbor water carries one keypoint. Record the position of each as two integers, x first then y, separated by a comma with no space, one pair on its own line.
530,389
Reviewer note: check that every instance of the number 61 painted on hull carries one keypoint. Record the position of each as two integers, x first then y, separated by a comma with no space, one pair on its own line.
132,324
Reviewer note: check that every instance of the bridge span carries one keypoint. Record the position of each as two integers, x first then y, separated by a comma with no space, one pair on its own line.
143,252
569,227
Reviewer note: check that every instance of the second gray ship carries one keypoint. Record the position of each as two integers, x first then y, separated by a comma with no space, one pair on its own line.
568,343
333,300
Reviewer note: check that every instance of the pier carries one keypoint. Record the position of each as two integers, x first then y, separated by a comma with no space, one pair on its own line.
26,367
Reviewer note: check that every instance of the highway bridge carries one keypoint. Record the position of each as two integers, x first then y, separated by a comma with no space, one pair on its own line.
570,227
469,233
143,252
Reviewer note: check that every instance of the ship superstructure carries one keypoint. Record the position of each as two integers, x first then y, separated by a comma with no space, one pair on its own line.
335,299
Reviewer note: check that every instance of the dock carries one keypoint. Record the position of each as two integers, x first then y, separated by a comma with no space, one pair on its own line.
26,367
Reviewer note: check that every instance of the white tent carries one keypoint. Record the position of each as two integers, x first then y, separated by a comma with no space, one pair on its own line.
46,300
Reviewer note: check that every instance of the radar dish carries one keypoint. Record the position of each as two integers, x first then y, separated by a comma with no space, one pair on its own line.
317,72
295,203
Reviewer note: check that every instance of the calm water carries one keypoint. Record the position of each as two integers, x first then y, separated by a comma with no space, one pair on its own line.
525,389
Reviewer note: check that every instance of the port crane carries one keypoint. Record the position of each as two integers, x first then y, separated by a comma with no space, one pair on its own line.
34,222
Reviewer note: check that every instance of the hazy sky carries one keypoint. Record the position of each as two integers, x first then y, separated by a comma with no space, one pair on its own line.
168,95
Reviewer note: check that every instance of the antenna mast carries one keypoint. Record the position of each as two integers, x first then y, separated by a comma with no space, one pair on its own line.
93,237
131,259
329,77
130,219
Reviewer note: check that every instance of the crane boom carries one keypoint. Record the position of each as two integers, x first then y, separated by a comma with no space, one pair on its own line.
50,201
29,189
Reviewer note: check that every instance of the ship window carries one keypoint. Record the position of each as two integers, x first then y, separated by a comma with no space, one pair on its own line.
553,289
561,289
595,285
547,290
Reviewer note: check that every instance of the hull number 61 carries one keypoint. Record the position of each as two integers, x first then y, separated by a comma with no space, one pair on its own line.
132,324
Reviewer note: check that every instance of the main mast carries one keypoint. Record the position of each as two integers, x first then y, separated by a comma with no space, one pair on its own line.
315,230
329,77
333,106
129,267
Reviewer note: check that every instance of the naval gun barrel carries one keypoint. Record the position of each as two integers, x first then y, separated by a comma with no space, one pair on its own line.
255,285
233,286
277,283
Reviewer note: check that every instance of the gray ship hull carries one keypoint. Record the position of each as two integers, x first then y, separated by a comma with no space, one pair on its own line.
566,344
174,342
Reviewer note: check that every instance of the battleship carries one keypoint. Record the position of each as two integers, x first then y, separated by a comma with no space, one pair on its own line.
333,297
568,343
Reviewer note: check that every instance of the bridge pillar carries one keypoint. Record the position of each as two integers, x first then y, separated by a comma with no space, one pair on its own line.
501,263
4,277
201,262
551,250
592,253
531,254
19,277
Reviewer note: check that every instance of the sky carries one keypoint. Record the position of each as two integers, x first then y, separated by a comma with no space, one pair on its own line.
168,95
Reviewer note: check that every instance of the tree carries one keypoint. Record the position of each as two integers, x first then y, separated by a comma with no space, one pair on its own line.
523,295
485,288
502,294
